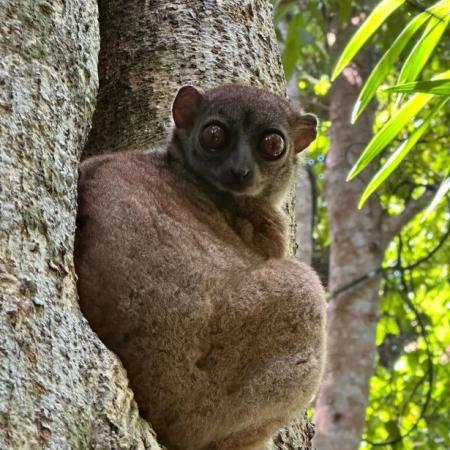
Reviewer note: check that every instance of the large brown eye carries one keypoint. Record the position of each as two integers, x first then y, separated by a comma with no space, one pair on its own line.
213,137
272,146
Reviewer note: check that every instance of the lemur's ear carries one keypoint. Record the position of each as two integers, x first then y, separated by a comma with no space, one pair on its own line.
186,106
305,131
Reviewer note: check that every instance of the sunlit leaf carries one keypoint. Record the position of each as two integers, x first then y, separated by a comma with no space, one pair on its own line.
389,131
442,191
397,157
372,23
391,325
436,87
322,86
381,334
423,49
392,128
387,61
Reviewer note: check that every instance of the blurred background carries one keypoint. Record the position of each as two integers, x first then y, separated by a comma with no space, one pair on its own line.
386,265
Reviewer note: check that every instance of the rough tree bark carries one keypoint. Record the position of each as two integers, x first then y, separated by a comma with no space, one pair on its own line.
358,241
149,49
60,388
355,250
303,196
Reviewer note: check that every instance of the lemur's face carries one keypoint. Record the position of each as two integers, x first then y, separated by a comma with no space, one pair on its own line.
241,140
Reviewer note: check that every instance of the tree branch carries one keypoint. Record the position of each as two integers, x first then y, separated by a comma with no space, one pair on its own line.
392,225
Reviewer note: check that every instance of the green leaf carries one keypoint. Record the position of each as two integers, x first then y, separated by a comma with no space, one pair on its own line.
345,11
390,325
392,128
387,61
380,335
436,87
397,157
442,191
423,49
292,46
389,131
393,429
365,31
280,11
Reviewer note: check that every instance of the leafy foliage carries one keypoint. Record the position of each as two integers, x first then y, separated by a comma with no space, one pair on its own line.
408,404
435,21
435,87
367,29
409,401
393,127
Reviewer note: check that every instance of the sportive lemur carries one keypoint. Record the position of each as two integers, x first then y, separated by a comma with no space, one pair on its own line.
181,256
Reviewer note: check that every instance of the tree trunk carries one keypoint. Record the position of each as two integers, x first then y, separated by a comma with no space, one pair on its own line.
359,239
150,49
352,313
60,388
303,196
355,258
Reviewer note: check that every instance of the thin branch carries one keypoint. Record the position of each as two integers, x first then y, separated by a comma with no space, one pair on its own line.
431,253
429,374
314,195
424,9
373,273
357,281
392,225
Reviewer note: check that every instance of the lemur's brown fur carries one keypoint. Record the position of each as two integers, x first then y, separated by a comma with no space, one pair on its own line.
221,334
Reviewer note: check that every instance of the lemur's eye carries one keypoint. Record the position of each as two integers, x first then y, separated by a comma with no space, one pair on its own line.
272,146
213,138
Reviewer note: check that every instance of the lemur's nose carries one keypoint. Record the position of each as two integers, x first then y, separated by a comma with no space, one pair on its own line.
240,173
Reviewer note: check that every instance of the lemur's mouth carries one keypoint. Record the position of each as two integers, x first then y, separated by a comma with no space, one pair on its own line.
249,189
236,182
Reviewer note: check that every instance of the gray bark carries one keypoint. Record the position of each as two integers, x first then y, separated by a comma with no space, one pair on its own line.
358,241
355,250
303,216
303,196
59,387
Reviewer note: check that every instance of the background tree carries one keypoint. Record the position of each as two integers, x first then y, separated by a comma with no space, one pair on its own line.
409,336
59,386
